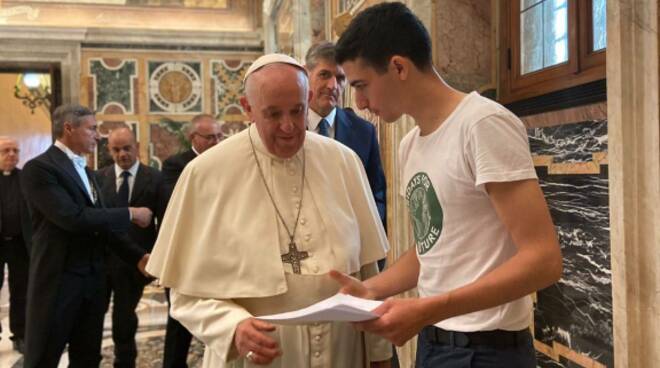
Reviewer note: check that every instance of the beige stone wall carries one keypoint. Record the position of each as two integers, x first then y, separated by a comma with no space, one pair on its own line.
463,40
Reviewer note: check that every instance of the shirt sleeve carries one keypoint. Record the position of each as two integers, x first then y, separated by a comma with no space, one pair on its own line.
212,321
498,150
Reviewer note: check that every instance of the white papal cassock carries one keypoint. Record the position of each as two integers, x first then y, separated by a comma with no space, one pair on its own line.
220,245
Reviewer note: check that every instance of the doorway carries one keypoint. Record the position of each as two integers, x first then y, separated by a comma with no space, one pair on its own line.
30,92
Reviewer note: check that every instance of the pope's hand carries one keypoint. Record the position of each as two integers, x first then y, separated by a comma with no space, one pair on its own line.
399,321
141,216
351,285
250,336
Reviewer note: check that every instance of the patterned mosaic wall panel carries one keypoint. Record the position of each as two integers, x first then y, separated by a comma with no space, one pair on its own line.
227,80
158,92
573,318
113,85
175,87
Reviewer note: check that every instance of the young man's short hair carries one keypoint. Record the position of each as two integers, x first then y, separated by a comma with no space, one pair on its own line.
382,31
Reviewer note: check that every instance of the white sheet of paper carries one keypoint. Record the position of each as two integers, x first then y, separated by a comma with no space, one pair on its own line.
337,308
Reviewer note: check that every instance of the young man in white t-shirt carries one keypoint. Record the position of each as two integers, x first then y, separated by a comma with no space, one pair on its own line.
483,233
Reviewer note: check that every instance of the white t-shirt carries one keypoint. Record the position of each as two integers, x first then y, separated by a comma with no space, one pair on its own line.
458,235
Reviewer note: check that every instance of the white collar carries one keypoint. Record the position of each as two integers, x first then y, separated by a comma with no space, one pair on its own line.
70,154
314,119
133,170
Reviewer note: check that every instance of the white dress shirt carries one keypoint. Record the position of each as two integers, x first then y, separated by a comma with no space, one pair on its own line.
314,119
79,163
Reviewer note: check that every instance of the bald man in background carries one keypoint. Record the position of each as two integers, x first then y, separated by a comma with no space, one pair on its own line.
126,183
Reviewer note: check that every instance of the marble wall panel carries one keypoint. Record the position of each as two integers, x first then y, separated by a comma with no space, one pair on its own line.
112,82
160,91
175,87
573,318
227,78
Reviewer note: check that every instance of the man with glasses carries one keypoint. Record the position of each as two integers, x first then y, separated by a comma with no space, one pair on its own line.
128,182
204,133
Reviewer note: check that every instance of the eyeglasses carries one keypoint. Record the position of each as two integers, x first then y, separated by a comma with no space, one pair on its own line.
210,137
8,150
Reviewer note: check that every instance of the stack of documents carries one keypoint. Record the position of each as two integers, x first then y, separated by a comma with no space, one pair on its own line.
337,308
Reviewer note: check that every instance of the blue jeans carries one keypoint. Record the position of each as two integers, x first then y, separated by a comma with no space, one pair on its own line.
436,355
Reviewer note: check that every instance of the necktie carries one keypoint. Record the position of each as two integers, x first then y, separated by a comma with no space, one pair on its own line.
79,161
323,127
122,193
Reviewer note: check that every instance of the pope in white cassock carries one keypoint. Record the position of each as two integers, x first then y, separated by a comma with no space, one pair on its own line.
254,226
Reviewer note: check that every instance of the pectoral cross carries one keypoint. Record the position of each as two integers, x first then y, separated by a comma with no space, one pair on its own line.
294,257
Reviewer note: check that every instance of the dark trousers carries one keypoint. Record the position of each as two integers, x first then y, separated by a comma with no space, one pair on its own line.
125,286
177,341
14,253
77,320
436,355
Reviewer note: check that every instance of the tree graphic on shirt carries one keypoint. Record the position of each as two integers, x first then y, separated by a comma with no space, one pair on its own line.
425,211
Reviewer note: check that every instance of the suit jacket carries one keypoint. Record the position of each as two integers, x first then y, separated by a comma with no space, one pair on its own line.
70,233
26,222
360,135
146,192
172,168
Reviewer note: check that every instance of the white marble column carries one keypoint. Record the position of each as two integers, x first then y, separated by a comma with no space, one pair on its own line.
302,28
634,155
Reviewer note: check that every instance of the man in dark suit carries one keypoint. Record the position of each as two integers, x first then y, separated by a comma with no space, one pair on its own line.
14,239
203,133
327,81
71,228
128,182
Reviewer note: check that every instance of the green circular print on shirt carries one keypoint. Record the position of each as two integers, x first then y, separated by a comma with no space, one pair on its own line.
425,211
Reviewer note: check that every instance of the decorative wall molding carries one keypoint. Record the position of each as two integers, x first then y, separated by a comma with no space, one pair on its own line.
65,52
115,38
217,40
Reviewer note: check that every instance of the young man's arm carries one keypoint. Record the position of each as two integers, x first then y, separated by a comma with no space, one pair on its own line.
395,279
521,206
